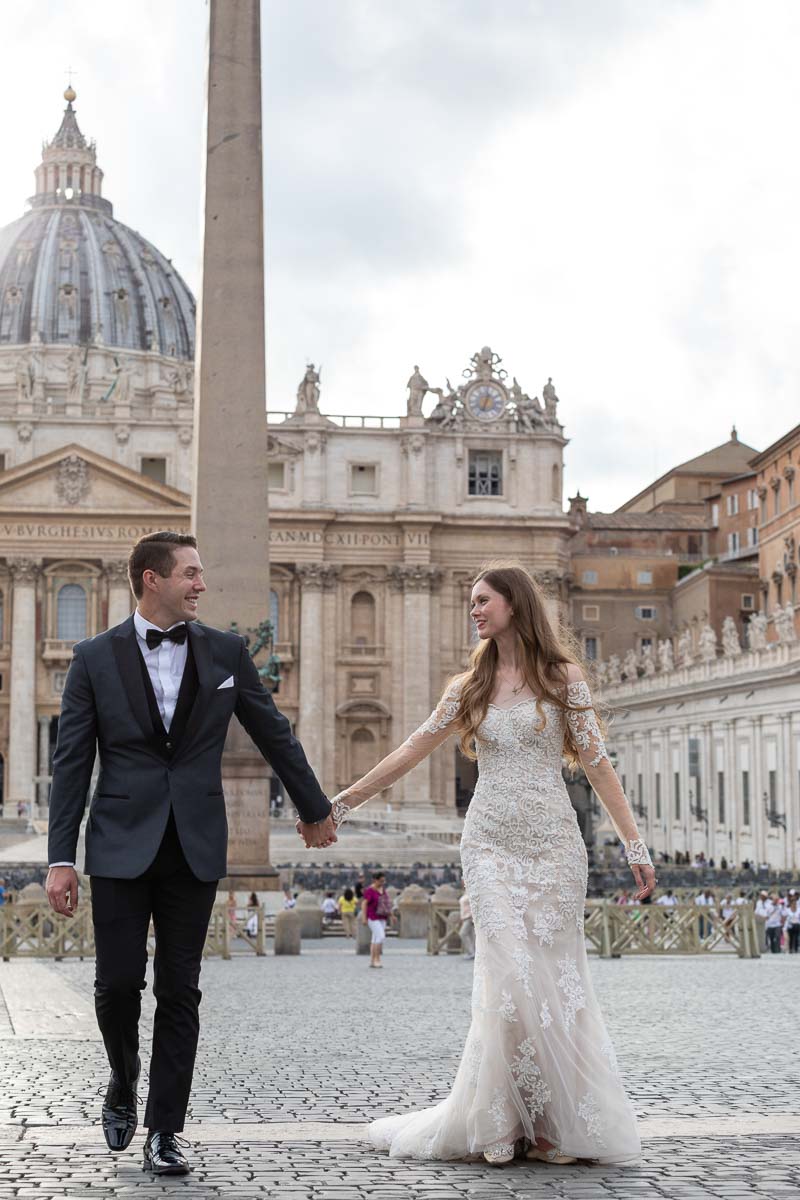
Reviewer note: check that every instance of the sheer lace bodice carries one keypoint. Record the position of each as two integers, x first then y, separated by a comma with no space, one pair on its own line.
538,1062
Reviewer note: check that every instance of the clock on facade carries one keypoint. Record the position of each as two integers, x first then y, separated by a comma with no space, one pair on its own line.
486,401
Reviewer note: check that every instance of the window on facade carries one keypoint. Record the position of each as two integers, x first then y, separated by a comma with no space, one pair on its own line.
732,502
752,535
748,600
2,462
362,752
745,797
721,797
644,576
590,648
589,577
276,476
777,494
733,542
772,777
362,620
694,770
715,514
154,468
639,790
646,612
676,781
71,613
591,612
790,489
274,613
645,643
485,473
363,479
657,780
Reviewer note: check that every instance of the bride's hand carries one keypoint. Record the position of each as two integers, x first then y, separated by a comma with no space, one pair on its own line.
645,880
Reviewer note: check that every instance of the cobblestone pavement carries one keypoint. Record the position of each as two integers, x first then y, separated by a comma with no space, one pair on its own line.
290,1043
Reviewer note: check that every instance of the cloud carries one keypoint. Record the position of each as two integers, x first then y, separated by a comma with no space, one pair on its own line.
606,193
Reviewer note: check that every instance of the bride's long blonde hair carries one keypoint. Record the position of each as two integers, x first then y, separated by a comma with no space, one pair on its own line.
543,653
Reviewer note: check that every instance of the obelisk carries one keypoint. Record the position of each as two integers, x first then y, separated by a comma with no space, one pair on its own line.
229,500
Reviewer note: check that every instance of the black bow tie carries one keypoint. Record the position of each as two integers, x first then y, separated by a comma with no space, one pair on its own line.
154,637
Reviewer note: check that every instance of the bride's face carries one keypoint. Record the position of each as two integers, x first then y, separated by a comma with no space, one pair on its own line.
490,611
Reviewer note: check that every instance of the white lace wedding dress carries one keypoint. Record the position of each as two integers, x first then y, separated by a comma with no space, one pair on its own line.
538,1061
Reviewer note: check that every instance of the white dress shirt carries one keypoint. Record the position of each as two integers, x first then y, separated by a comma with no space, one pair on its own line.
165,666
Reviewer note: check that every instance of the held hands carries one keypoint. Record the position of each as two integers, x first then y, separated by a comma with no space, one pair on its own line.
62,890
318,835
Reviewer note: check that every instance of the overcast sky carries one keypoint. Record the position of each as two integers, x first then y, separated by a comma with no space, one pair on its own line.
606,191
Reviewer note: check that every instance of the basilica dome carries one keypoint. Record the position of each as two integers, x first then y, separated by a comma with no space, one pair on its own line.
70,274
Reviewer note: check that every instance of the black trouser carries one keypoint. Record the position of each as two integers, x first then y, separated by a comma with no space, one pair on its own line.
794,939
180,906
774,939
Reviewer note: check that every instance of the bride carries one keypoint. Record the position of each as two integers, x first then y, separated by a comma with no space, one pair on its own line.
538,1068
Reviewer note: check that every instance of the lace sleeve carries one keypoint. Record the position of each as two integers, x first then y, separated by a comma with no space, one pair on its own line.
435,730
597,765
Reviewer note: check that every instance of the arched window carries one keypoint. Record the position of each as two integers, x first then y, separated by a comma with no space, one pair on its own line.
362,752
71,613
362,619
274,613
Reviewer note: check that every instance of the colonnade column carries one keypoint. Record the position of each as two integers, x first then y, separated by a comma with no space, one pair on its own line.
315,579
119,593
43,787
416,581
22,715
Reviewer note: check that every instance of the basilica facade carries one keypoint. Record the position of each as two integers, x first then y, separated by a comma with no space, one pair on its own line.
684,600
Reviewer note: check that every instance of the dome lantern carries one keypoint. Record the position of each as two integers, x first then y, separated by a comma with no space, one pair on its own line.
68,172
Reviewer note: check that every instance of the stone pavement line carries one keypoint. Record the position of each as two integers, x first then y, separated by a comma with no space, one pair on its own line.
42,1005
207,1132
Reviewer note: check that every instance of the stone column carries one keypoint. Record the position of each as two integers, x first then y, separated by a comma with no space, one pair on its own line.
315,579
43,788
120,598
22,715
229,510
416,581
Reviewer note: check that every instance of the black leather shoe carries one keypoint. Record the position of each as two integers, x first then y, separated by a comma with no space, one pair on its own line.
163,1154
120,1115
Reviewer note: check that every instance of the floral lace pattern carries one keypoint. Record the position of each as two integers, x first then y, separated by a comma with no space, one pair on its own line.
532,1066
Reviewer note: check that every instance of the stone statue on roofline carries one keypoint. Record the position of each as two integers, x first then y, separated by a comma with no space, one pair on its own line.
614,670
630,666
417,389
685,648
707,643
757,631
666,660
308,391
648,661
731,645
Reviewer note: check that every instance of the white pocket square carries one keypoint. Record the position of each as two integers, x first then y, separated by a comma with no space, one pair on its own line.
226,683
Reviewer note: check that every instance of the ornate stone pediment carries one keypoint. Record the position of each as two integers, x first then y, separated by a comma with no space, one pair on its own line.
82,481
278,447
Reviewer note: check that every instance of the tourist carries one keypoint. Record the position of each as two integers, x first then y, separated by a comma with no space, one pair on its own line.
741,898
347,911
792,921
762,911
467,928
669,900
701,901
2,892
330,909
253,906
727,911
289,901
774,925
360,889
376,910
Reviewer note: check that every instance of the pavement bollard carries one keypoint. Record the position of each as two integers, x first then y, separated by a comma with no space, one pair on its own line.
287,932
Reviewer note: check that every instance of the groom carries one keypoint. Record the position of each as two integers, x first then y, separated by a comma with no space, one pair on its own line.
155,696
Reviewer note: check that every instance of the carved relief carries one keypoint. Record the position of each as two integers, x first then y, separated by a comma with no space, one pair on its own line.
413,577
72,481
318,577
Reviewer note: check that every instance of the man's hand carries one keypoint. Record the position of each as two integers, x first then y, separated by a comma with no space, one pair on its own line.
62,890
319,835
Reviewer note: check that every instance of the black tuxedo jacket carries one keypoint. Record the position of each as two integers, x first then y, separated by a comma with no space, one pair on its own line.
145,771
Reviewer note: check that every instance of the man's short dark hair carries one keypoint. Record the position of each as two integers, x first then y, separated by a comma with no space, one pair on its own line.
155,552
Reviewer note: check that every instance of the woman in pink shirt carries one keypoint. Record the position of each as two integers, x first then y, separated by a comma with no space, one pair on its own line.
376,910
